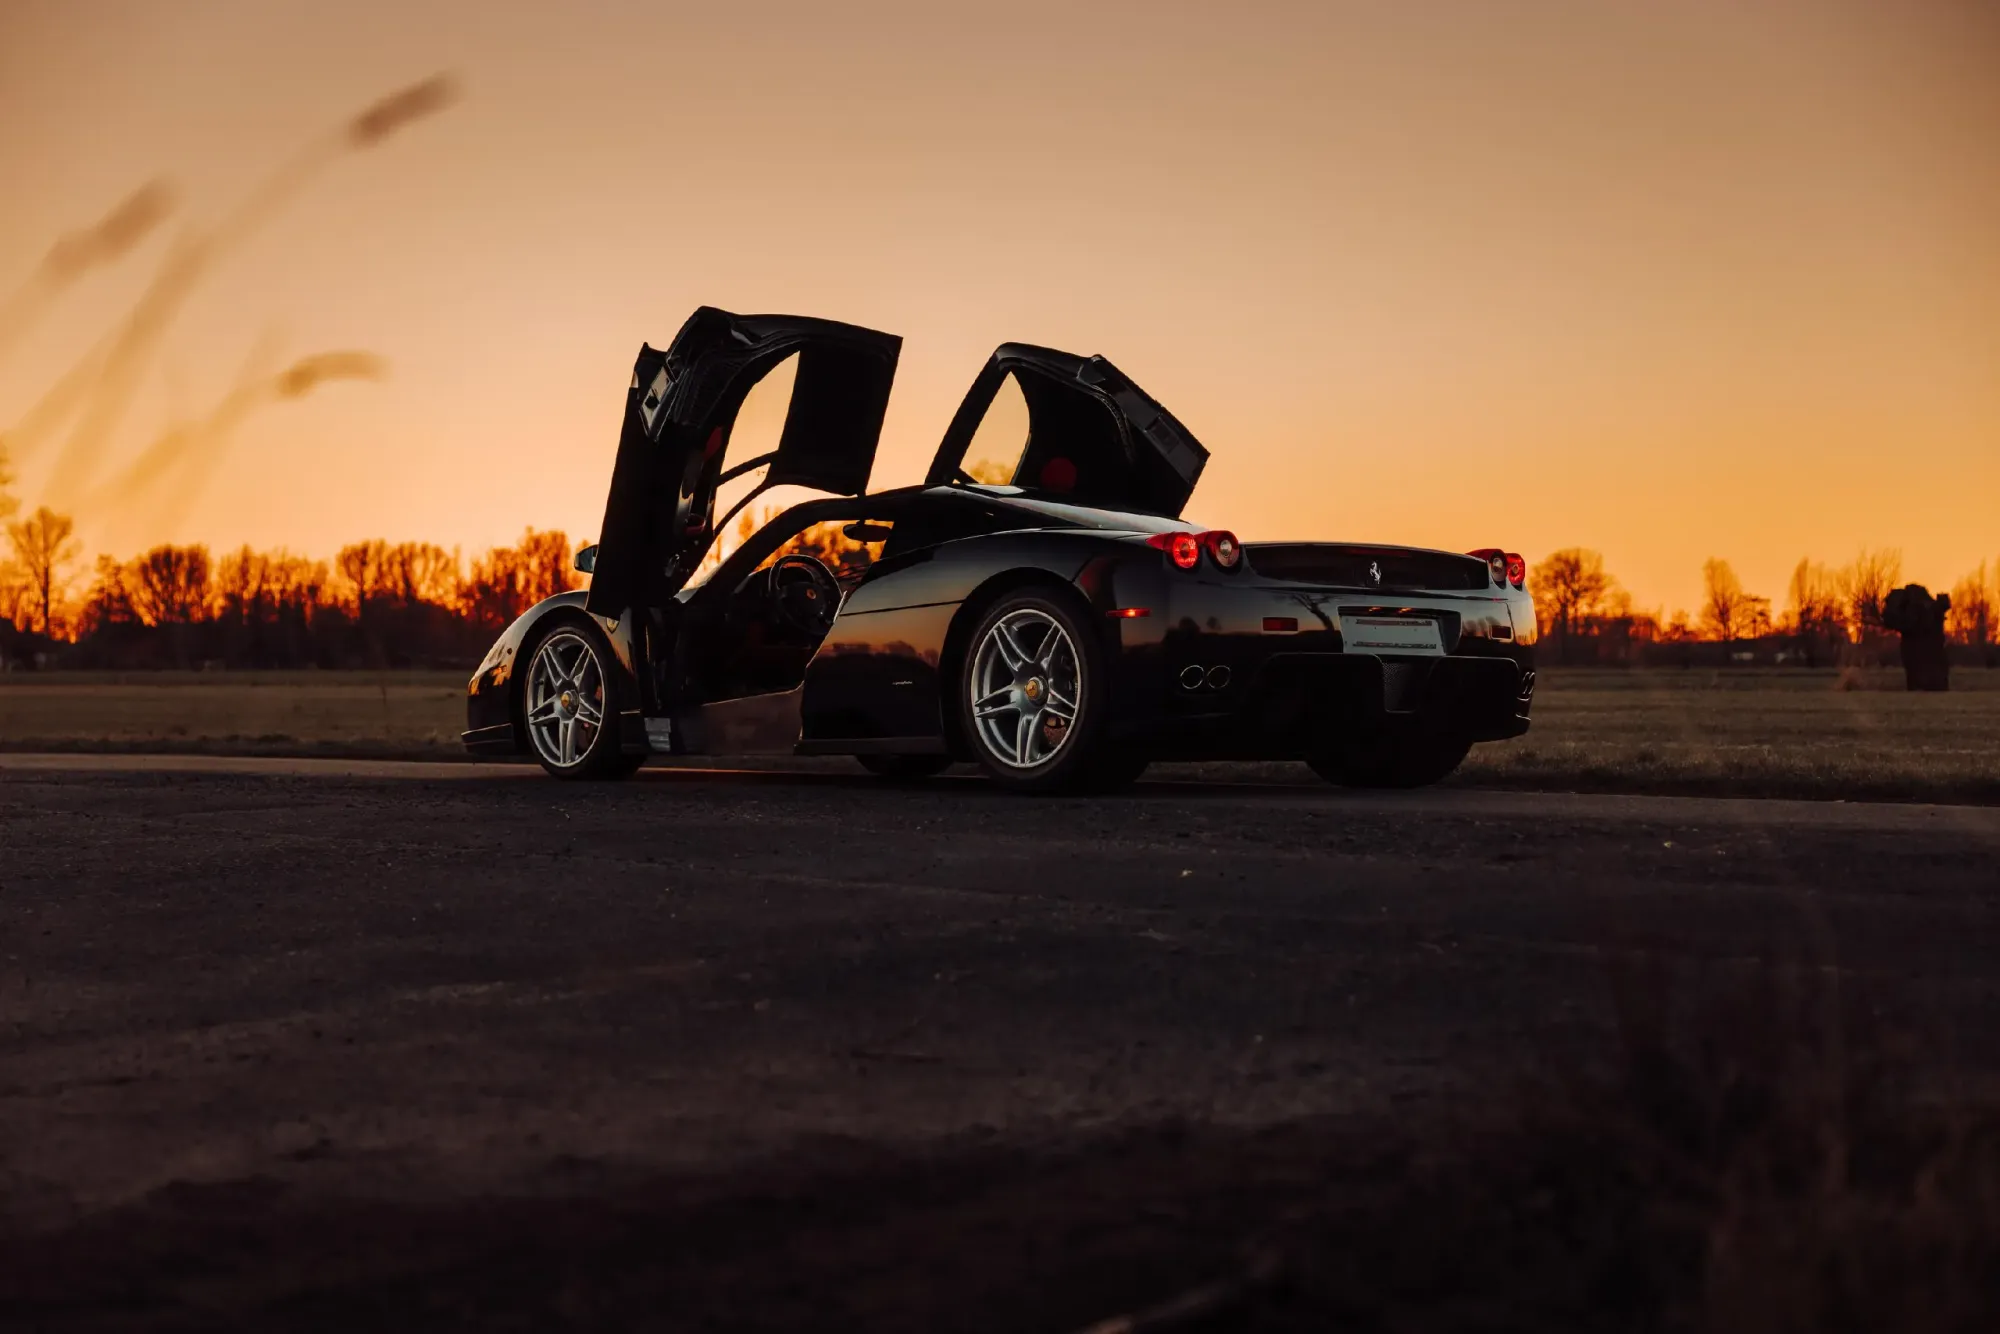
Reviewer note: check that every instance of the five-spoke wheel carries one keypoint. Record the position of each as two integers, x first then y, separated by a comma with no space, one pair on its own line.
1025,682
1031,693
565,704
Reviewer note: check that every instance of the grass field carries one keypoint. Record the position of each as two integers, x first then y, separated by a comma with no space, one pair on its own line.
1766,732
280,713
1772,732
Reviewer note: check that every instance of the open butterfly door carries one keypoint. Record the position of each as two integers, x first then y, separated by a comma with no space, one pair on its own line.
673,448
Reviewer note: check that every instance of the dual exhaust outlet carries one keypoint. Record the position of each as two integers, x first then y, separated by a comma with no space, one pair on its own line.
1196,677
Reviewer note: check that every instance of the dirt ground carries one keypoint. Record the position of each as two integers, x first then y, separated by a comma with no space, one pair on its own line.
458,1047
1749,731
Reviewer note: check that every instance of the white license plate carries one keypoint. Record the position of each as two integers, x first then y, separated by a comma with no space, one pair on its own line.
1391,634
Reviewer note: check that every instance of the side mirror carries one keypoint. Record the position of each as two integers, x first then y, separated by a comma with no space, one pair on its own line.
865,532
586,559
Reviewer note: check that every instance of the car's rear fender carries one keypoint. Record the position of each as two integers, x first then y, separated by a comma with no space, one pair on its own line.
884,671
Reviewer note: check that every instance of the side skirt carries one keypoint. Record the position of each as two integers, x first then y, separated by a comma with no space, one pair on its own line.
498,739
874,745
753,725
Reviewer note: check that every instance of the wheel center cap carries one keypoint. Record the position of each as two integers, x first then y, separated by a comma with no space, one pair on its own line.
1033,689
568,701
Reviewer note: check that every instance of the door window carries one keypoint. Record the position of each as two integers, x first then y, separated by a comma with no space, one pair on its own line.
994,456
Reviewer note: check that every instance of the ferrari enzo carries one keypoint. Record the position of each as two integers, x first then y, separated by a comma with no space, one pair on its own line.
1037,606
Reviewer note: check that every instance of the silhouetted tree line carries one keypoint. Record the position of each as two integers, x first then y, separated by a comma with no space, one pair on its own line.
415,604
1830,616
375,604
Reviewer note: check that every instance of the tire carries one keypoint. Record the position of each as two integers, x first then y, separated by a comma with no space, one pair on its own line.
1390,761
904,768
1031,658
569,703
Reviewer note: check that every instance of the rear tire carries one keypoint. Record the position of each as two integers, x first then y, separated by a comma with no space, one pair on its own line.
1390,761
904,768
1031,694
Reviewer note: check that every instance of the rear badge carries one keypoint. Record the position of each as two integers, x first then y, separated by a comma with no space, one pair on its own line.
1375,572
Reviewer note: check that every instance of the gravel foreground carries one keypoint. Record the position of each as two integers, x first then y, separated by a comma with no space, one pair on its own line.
779,1051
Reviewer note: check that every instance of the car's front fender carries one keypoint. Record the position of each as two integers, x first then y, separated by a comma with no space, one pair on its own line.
492,720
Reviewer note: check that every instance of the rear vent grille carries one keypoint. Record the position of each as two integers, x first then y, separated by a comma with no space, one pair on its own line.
1348,567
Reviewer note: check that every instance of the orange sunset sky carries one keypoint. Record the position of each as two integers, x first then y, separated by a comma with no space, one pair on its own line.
1671,280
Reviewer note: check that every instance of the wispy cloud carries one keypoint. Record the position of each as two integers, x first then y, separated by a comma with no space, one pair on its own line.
94,398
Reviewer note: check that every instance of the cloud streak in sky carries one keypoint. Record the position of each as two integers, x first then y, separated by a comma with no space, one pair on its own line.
96,395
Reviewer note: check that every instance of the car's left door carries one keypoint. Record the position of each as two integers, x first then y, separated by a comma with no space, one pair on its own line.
673,447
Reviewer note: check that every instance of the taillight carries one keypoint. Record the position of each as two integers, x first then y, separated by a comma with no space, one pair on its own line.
1496,561
1183,549
1222,548
1517,570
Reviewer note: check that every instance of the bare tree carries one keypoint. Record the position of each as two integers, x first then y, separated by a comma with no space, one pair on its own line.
1972,619
1812,600
364,568
1569,588
242,585
1725,608
421,572
109,602
44,546
1866,584
169,585
1813,611
546,562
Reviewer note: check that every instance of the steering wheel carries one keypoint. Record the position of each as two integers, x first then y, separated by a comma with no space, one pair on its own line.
802,593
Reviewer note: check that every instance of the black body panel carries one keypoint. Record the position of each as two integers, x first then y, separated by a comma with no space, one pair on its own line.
1372,567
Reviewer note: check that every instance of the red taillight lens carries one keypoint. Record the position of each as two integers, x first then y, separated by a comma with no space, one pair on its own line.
1222,548
1183,549
1517,570
1496,561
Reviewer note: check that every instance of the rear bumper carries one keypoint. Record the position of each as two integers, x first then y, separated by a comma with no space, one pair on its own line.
1229,669
1294,702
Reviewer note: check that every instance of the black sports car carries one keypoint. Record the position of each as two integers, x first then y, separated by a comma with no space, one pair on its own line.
1061,627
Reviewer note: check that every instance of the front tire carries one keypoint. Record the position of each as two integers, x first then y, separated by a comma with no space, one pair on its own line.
569,705
1032,693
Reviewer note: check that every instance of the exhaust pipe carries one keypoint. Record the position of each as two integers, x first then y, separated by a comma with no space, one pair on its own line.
1194,676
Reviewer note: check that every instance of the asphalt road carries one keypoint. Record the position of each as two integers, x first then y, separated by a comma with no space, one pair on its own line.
234,990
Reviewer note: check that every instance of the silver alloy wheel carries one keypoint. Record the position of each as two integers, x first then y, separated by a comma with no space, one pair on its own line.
1023,688
565,703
